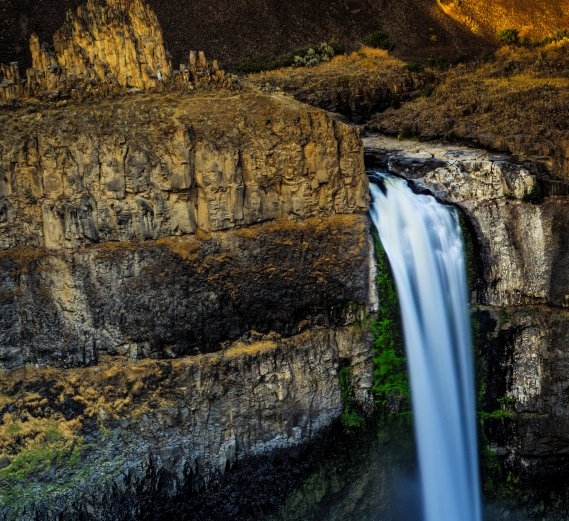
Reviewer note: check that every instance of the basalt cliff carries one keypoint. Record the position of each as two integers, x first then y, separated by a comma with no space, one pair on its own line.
182,275
186,265
515,224
165,227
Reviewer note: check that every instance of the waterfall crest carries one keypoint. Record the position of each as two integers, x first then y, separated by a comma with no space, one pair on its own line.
423,242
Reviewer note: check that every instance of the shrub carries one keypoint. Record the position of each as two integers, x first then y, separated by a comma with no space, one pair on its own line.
508,36
379,40
560,34
311,57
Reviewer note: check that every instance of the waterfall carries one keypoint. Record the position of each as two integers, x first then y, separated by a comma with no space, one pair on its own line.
423,242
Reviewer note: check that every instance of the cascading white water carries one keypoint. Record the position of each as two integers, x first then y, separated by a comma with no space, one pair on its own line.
423,242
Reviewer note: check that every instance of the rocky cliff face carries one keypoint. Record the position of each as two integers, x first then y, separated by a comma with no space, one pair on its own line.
159,228
114,208
163,227
145,169
106,46
113,40
151,430
519,260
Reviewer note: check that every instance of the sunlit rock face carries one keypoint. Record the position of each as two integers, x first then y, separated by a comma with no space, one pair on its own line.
125,227
216,247
138,169
518,223
110,40
106,47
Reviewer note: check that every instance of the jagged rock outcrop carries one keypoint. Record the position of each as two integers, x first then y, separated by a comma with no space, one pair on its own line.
106,46
109,41
518,220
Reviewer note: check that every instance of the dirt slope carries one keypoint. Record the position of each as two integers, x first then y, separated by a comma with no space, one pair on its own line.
240,29
534,19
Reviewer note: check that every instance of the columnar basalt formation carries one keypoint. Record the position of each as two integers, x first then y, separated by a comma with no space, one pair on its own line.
105,46
174,426
109,41
220,237
166,227
122,206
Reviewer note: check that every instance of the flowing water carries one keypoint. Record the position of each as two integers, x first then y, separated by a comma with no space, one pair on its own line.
423,242
371,475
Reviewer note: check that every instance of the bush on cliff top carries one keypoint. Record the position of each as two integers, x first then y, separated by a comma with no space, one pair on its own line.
379,40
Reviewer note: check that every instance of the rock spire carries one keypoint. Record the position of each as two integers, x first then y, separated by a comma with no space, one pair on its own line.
105,46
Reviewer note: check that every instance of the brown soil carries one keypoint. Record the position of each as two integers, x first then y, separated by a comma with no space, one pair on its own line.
239,30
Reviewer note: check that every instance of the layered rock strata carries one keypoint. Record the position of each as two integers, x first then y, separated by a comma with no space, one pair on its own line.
111,220
519,262
143,169
161,228
182,424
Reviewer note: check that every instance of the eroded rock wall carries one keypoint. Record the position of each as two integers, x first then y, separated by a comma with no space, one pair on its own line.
180,296
187,422
124,227
161,228
141,169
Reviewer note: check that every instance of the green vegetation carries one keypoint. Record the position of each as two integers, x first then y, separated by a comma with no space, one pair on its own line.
350,418
39,458
305,57
379,40
559,35
505,410
509,36
391,386
512,36
313,56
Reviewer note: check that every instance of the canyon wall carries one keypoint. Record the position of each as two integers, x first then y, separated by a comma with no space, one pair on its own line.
181,275
171,427
517,235
116,226
216,245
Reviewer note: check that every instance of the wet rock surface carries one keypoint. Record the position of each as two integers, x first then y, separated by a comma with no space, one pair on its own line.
519,261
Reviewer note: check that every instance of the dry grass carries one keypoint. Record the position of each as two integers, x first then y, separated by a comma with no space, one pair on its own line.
46,412
534,19
516,102
357,63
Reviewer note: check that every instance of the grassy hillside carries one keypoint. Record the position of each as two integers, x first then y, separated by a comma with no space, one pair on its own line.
532,18
514,102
